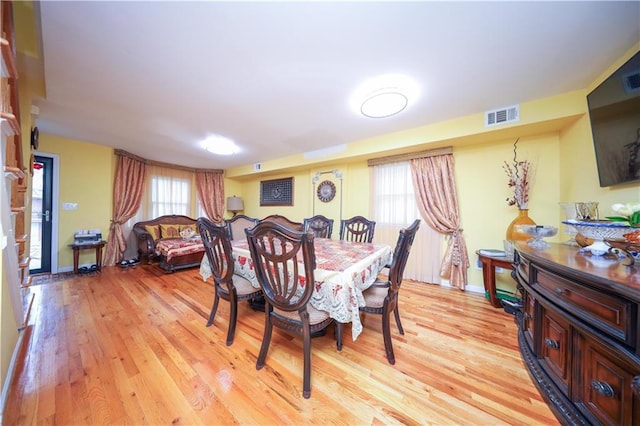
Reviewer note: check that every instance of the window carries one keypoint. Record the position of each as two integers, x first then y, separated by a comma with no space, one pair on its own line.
170,195
394,199
394,208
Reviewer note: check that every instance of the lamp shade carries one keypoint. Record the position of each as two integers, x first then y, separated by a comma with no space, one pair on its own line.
235,204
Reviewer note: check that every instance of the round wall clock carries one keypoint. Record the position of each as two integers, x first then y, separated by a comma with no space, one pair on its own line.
326,191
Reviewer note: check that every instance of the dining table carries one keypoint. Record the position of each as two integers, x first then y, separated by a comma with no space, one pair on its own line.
344,269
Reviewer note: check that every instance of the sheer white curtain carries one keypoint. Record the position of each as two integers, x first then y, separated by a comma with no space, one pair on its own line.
394,207
167,191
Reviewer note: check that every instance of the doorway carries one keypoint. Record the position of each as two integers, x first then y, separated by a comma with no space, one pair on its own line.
43,232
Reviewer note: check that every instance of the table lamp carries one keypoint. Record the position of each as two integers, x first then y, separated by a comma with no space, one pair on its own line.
235,204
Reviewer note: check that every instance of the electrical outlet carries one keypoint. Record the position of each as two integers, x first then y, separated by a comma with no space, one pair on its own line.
499,270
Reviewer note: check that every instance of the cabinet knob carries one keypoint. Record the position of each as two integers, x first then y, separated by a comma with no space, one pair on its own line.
551,344
602,388
559,290
635,386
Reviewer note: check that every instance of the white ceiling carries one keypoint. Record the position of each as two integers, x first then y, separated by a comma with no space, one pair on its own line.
155,78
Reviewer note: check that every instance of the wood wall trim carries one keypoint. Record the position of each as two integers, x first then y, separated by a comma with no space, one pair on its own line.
124,153
410,156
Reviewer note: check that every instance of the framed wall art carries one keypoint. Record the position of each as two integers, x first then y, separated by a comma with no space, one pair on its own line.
276,192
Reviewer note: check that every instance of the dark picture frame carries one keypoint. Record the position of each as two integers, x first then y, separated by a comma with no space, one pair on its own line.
276,192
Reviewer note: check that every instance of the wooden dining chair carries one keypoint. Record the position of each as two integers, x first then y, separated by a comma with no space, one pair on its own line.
284,262
238,224
227,285
282,220
358,229
321,226
382,297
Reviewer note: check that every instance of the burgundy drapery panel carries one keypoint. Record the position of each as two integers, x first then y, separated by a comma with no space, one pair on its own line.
128,188
210,187
434,184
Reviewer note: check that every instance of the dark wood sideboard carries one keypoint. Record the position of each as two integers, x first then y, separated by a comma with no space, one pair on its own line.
578,332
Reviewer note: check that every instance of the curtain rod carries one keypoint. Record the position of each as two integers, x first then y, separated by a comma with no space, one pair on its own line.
123,153
410,156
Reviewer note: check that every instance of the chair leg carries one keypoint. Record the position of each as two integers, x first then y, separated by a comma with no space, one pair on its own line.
266,339
233,317
396,313
386,334
306,347
212,315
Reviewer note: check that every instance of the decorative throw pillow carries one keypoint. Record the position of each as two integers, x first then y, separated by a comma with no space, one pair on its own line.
187,231
192,227
154,230
170,231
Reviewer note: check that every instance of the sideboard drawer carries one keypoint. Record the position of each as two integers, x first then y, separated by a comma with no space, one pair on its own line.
611,314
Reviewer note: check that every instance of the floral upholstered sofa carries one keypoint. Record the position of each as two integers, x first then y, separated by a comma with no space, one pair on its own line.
172,240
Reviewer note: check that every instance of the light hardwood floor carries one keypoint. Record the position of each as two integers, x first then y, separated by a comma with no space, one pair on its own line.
130,346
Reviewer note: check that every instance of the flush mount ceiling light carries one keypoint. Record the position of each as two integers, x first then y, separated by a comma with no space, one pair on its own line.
384,96
384,104
220,145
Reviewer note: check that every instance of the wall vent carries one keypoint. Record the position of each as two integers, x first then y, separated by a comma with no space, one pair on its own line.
632,82
257,167
502,115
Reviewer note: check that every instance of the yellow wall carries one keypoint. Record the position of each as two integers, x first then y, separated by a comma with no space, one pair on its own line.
352,193
86,178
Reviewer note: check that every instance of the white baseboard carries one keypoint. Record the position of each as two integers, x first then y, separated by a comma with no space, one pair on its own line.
468,287
10,373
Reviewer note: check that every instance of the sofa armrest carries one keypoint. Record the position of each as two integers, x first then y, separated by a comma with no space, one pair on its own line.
146,244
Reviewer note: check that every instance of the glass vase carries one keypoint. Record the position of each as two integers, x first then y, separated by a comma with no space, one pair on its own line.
513,234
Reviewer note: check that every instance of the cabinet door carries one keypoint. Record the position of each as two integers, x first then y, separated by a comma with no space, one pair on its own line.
555,348
606,389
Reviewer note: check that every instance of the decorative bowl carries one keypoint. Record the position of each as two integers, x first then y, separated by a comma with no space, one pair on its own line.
598,231
538,232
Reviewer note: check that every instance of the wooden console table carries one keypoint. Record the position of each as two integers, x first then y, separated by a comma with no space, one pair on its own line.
97,246
578,333
489,264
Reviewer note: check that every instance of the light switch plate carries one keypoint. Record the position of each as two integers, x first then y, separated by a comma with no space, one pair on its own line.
69,206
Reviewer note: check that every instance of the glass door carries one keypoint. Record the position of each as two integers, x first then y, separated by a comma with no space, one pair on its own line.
41,211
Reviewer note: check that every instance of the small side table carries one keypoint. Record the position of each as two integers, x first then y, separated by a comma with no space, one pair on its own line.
489,264
97,246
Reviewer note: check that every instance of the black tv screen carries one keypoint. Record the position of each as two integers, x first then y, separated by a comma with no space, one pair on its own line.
614,110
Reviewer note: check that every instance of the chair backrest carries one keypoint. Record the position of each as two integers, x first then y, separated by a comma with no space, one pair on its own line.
321,226
401,254
217,246
276,218
278,253
238,224
358,228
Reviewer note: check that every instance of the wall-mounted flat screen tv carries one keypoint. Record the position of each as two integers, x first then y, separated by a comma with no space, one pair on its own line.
614,110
